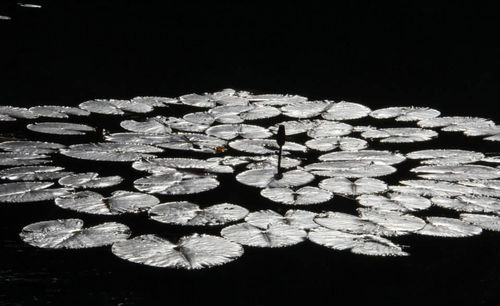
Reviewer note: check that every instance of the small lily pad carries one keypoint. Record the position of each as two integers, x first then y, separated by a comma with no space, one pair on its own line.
89,180
448,227
263,178
304,196
60,128
344,186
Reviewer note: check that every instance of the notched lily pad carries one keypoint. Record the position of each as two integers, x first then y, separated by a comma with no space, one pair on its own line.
89,180
304,196
190,252
160,165
273,236
345,111
344,186
29,192
70,234
176,182
263,178
302,219
33,173
446,157
448,227
119,202
114,152
487,222
187,213
60,128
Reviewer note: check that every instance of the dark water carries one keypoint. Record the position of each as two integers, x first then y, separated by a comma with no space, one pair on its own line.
439,56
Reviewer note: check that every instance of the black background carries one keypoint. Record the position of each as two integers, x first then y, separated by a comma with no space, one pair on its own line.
445,56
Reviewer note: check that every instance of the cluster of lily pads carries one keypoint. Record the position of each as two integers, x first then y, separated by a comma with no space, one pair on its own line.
235,131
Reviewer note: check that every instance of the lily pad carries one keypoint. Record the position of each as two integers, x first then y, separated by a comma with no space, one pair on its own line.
393,220
89,180
346,111
56,111
118,203
230,131
29,192
487,222
400,135
457,172
394,201
304,196
359,244
150,126
263,178
176,182
349,169
304,110
31,147
33,173
160,165
302,219
446,157
344,186
273,236
448,227
405,113
373,156
114,152
264,146
324,128
190,252
187,213
351,224
60,128
343,143
22,159
70,234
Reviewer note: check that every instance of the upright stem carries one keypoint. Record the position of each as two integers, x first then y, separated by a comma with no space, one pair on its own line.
280,139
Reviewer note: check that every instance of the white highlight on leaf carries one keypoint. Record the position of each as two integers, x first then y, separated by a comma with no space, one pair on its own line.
89,180
304,196
118,203
197,100
456,123
405,113
56,111
394,201
352,224
115,152
22,159
486,222
33,173
17,112
70,234
273,236
304,109
29,192
263,178
457,172
400,135
60,128
350,169
343,143
150,126
446,157
448,227
345,111
230,131
393,220
324,128
187,213
302,219
467,203
31,147
176,182
344,186
190,252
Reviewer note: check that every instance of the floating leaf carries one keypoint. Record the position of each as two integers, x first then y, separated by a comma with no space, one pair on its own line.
175,182
350,169
302,219
446,157
271,161
400,135
325,128
160,165
405,113
186,213
22,159
184,125
89,180
346,111
56,111
455,124
31,147
457,172
273,236
344,186
377,157
115,107
155,101
116,152
33,173
17,112
190,252
431,188
394,201
29,192
303,196
448,227
202,118
276,99
351,224
486,222
294,127
331,143
197,100
358,244
468,203
260,112
263,178
60,128
393,220
118,203
264,146
70,234
150,126
304,110
230,131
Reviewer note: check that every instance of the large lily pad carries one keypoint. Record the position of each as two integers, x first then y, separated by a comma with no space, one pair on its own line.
113,152
70,234
344,186
60,128
160,165
29,192
176,182
190,252
187,213
33,173
118,203
304,196
448,227
302,219
263,178
89,180
273,236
